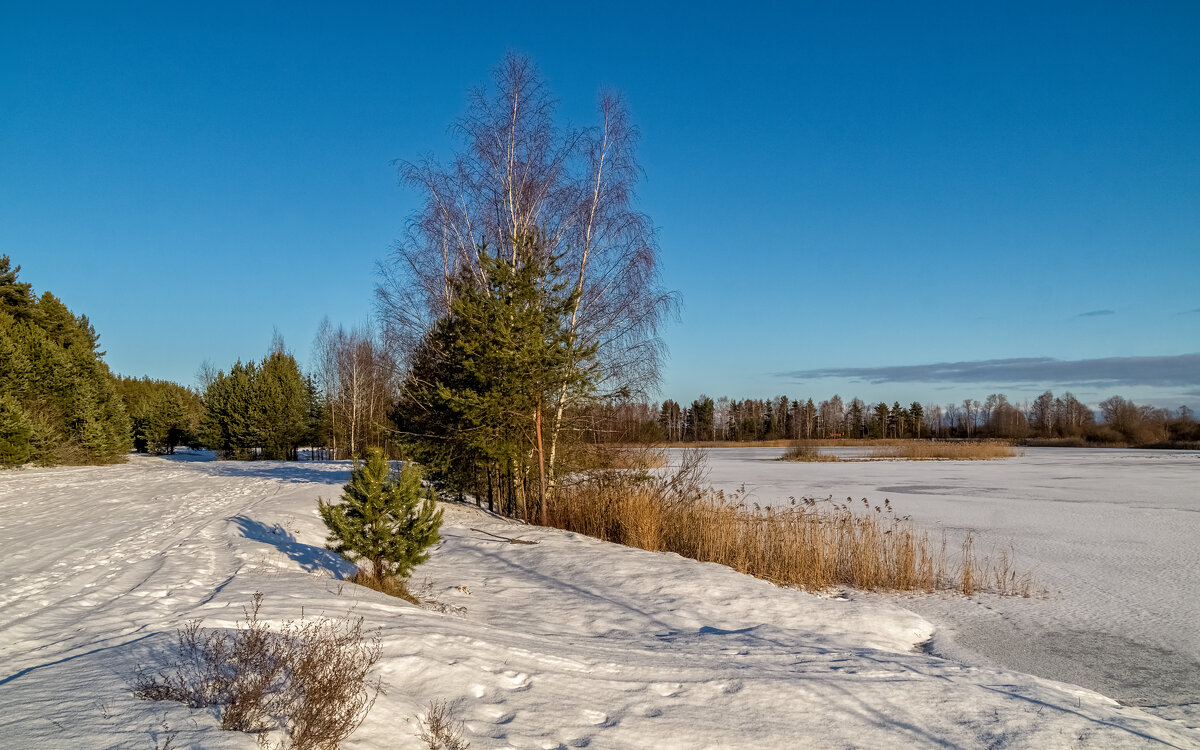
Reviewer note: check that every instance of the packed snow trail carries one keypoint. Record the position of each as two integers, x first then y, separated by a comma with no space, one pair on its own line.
567,643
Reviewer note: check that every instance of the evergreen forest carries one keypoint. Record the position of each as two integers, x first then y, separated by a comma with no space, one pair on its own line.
58,401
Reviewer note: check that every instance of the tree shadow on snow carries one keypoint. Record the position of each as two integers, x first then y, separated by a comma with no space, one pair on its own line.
295,472
312,559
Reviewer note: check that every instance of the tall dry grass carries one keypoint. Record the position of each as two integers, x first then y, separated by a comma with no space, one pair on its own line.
925,450
812,544
807,453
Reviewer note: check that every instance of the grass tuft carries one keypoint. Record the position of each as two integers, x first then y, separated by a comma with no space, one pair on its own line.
390,585
807,452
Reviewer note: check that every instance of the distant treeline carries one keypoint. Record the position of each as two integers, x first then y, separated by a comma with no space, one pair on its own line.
60,403
470,407
1047,417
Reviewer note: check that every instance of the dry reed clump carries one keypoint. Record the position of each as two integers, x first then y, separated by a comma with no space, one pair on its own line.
807,452
308,679
591,457
390,585
812,544
782,443
922,450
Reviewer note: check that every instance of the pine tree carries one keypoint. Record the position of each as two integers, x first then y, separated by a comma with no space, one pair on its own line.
51,369
15,433
476,397
383,520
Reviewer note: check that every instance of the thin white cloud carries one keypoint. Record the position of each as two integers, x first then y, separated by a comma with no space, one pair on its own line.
1168,371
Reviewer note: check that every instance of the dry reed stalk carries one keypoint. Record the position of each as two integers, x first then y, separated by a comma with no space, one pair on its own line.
811,543
618,456
922,450
729,444
807,453
396,587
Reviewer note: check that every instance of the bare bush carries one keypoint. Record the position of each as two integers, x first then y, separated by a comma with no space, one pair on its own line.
308,679
440,729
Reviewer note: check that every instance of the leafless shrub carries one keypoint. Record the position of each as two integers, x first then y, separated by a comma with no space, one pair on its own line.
309,679
440,729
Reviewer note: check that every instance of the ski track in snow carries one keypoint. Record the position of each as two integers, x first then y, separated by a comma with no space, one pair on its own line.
569,643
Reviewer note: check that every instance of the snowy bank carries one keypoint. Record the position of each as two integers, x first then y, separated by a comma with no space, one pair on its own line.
567,643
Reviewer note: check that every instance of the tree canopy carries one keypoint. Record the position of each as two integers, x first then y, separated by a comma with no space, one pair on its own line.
58,399
259,409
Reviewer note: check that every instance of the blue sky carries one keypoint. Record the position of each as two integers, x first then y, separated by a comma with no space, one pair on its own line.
848,196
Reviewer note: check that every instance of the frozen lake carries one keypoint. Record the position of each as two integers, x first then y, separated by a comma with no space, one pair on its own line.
1113,534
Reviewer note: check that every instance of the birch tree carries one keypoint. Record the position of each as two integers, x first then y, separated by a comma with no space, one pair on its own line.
520,174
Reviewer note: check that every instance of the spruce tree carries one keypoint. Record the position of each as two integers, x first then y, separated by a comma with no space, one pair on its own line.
51,369
477,394
15,433
386,521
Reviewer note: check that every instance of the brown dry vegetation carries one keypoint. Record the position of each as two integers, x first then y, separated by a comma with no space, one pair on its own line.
922,450
308,679
730,444
589,457
812,544
807,453
911,450
392,586
440,728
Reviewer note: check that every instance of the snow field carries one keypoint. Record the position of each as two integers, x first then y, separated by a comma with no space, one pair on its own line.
567,643
1113,534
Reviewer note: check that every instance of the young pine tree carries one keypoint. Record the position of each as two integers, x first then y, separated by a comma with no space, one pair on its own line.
385,521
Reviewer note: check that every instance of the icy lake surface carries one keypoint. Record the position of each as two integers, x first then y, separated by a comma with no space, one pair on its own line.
1114,535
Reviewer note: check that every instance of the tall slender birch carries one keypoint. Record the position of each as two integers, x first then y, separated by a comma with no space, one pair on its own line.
518,174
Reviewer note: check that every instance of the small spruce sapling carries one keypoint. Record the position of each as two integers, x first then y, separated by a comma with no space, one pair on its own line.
387,521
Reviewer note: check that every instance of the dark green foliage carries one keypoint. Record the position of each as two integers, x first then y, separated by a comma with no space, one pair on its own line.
479,388
259,410
16,433
282,405
319,417
387,521
56,380
701,420
163,415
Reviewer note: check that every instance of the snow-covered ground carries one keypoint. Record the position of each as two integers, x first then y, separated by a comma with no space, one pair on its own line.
1113,534
567,643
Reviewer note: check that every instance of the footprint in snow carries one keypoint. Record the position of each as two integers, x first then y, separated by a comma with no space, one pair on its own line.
515,681
667,689
594,717
496,715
